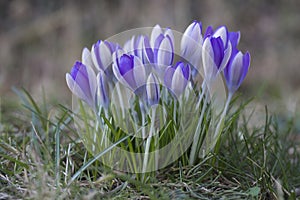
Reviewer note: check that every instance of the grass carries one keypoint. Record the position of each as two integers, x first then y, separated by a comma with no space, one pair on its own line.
42,157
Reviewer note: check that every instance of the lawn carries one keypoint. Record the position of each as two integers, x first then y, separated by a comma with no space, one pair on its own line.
42,157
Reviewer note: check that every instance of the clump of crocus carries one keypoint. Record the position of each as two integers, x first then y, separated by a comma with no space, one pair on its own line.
147,66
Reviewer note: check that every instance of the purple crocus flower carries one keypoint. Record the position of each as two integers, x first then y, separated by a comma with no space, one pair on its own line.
152,90
156,31
215,56
222,32
129,70
236,71
162,43
82,82
191,43
176,78
102,55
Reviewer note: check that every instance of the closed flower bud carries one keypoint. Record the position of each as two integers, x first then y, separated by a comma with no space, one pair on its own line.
102,55
129,70
191,43
236,71
82,82
152,90
177,77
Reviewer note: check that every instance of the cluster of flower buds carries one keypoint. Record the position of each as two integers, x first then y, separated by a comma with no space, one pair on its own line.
146,64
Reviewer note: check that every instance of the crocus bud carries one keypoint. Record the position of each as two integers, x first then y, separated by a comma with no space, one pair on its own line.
152,90
129,70
191,43
156,31
82,82
163,51
222,32
102,89
162,43
214,56
102,55
177,77
236,71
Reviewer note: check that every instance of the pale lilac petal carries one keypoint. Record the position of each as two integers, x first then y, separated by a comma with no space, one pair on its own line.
226,58
168,76
179,82
92,82
139,73
101,55
148,51
86,58
191,40
156,31
165,53
209,66
76,90
223,33
169,32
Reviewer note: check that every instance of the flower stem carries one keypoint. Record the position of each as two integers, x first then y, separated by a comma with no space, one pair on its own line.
145,163
220,125
195,144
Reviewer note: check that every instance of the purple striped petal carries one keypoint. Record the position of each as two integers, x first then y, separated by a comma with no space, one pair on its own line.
191,40
82,82
236,71
209,32
102,55
218,50
222,32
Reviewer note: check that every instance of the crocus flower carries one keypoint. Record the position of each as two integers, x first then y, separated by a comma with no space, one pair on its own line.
129,70
156,31
176,78
103,89
191,43
162,43
82,82
102,55
214,56
152,90
222,32
236,70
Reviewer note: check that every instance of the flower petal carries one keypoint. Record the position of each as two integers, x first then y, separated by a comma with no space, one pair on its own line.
222,32
156,31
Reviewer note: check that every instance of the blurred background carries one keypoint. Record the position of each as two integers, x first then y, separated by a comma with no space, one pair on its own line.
40,40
